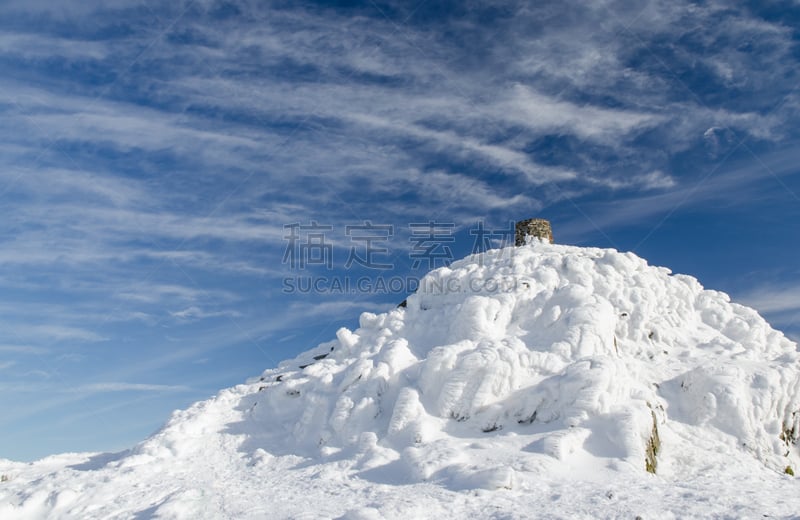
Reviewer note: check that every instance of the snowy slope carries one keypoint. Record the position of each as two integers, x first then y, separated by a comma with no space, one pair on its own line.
544,380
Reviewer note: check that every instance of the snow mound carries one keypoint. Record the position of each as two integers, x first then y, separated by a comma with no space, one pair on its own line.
565,353
556,376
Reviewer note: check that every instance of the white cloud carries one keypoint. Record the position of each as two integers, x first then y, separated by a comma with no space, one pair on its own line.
338,308
39,46
196,313
735,183
778,303
545,113
55,333
654,180
23,349
147,292
443,108
129,387
499,157
774,299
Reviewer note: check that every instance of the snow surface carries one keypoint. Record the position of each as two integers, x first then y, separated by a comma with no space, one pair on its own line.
520,383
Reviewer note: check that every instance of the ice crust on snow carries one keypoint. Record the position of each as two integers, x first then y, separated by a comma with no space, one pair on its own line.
533,371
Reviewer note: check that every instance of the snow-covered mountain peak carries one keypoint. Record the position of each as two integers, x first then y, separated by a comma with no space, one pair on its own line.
532,371
564,353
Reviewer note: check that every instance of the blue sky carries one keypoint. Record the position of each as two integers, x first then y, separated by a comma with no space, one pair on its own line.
151,154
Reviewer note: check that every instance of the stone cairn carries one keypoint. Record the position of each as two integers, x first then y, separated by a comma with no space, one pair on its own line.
532,227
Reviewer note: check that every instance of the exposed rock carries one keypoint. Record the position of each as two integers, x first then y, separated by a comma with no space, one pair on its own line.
653,447
533,227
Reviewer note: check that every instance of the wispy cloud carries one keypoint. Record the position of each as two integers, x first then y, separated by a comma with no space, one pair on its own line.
741,183
53,333
271,123
31,46
22,349
129,387
774,299
778,303
196,313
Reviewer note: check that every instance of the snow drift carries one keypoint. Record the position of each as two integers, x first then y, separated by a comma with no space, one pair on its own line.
571,352
505,370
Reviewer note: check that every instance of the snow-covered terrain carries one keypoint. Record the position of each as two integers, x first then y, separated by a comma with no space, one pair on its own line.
539,381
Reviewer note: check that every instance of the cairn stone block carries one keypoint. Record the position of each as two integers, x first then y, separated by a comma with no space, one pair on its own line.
532,227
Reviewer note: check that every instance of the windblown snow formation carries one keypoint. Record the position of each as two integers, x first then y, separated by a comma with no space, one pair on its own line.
563,352
556,376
